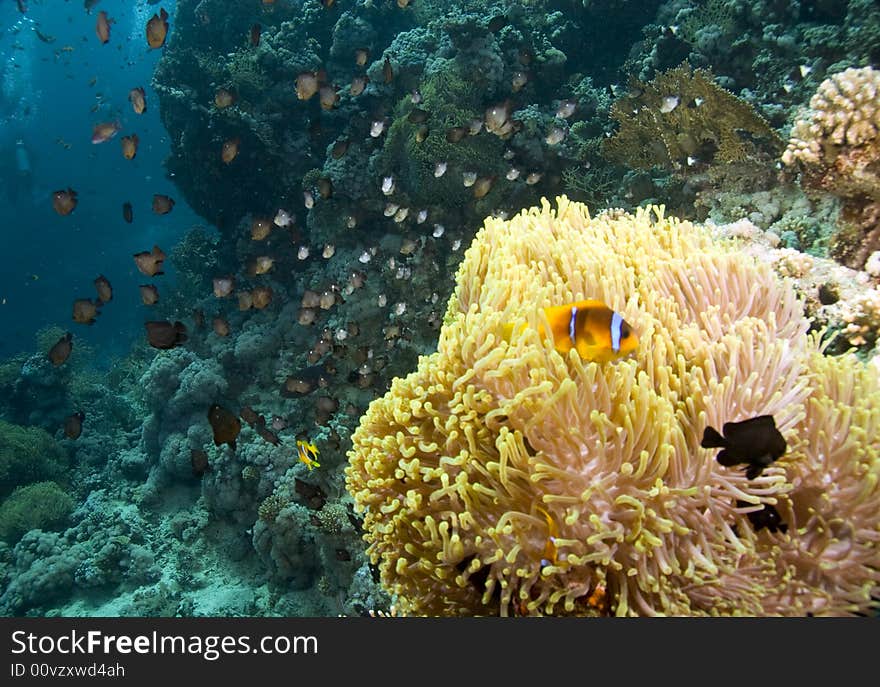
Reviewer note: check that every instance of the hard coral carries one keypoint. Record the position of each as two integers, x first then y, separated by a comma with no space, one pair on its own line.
836,147
680,115
42,505
503,478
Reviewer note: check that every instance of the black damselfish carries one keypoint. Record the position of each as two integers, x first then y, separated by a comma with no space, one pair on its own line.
767,517
755,442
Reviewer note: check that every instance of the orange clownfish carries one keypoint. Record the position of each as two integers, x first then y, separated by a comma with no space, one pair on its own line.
594,330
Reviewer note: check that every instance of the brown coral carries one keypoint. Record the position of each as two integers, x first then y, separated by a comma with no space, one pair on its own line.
683,117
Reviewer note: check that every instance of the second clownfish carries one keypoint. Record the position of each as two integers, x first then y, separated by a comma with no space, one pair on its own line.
594,330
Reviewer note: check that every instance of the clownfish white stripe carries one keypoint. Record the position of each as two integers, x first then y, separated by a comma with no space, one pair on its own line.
616,322
571,323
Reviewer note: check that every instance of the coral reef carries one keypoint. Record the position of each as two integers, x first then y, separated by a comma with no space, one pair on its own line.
501,477
682,118
835,146
355,279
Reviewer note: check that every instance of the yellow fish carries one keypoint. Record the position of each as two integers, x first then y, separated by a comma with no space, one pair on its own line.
550,553
594,330
304,449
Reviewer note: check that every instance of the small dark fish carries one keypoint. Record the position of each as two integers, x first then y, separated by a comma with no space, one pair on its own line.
340,148
417,116
224,98
127,212
198,318
483,185
767,517
150,262
225,424
22,7
261,227
138,100
328,96
307,84
105,291
221,326
269,435
199,461
60,352
162,204
359,84
755,442
229,150
73,425
457,133
252,417
325,187
157,29
104,131
256,32
64,201
387,71
261,296
149,294
312,494
102,27
85,311
46,38
130,146
496,23
165,335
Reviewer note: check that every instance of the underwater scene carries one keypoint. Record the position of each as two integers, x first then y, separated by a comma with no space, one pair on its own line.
440,308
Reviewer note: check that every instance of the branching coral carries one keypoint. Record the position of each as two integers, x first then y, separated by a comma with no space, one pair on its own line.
683,115
836,146
503,478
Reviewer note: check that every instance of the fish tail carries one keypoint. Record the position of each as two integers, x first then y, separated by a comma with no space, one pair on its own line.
712,439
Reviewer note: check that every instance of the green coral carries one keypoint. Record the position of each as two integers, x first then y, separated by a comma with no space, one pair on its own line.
10,371
27,454
719,13
683,115
43,505
247,75
592,186
453,99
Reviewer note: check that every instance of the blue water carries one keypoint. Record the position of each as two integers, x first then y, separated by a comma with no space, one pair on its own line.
49,260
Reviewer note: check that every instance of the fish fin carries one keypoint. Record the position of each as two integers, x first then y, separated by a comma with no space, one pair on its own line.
754,471
712,439
727,459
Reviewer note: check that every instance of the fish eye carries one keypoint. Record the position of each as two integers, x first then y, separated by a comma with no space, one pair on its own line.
625,331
